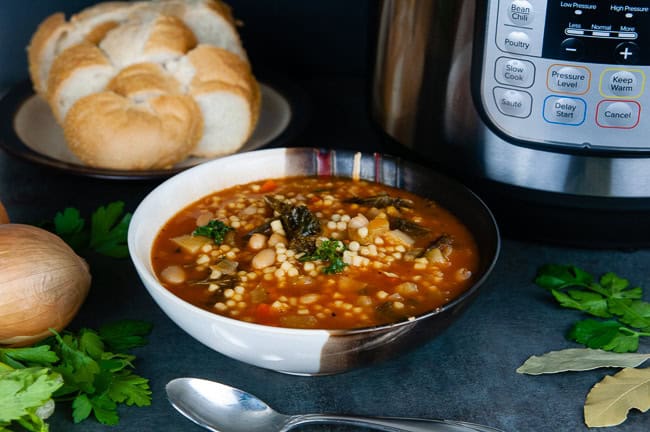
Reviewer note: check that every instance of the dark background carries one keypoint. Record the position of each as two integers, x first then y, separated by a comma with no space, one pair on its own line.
297,38
321,53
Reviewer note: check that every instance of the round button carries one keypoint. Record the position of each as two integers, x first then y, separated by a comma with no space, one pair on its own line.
521,12
517,42
568,79
623,83
572,49
624,115
513,103
520,73
564,110
627,53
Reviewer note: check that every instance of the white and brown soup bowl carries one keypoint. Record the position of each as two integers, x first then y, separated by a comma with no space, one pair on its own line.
306,351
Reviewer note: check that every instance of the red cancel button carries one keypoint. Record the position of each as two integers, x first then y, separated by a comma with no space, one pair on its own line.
618,114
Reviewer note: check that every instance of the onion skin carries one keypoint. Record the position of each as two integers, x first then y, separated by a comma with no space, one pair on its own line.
43,283
4,217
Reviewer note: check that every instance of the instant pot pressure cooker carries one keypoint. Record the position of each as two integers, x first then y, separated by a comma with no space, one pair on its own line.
541,106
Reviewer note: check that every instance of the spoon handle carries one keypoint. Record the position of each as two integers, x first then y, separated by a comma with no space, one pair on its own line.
389,424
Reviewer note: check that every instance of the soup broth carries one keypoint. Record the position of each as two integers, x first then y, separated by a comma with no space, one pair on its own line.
315,252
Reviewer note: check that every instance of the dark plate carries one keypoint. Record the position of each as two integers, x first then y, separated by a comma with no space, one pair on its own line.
29,131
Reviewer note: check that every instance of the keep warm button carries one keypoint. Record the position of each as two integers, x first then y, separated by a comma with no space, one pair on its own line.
618,114
564,110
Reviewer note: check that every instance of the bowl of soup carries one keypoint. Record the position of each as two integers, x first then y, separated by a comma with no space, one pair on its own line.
311,261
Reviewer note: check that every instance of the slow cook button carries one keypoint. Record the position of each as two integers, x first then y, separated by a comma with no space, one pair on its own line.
517,42
510,71
568,111
618,114
568,79
513,103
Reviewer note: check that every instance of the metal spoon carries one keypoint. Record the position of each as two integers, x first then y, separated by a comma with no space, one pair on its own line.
221,408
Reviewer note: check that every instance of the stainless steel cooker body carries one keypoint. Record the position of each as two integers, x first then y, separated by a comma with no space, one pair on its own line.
547,98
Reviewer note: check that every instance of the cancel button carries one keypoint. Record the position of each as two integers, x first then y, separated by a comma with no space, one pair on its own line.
618,114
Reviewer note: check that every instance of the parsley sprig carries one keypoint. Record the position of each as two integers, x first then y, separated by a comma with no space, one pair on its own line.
106,235
330,251
215,229
85,368
626,316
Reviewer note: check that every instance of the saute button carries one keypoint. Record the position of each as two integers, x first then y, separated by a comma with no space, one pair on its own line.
521,12
564,110
513,103
519,73
618,114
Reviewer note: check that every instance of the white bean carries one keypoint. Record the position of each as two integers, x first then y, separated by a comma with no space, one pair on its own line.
309,298
358,221
263,259
277,238
173,274
407,289
204,218
257,241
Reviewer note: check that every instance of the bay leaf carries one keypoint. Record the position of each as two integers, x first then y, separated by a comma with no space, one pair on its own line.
579,359
609,401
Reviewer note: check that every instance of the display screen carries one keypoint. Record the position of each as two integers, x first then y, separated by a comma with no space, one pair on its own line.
598,31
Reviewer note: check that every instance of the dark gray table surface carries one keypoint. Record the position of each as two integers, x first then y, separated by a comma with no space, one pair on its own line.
467,373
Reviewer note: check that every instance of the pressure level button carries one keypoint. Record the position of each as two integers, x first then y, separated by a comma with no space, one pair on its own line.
568,79
521,12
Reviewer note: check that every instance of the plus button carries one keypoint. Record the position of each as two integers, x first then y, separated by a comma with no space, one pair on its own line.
627,52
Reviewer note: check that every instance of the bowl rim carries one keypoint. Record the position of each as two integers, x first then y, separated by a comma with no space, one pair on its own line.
154,283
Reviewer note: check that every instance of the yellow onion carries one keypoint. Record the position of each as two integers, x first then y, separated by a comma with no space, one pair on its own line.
4,217
43,283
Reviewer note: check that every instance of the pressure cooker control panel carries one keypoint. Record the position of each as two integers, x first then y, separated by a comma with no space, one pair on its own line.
569,74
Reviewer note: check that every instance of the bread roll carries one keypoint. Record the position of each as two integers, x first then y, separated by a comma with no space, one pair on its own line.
42,48
144,85
152,38
211,21
132,135
228,97
78,71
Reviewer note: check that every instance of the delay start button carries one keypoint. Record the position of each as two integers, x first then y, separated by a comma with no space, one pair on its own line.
618,114
513,103
568,111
